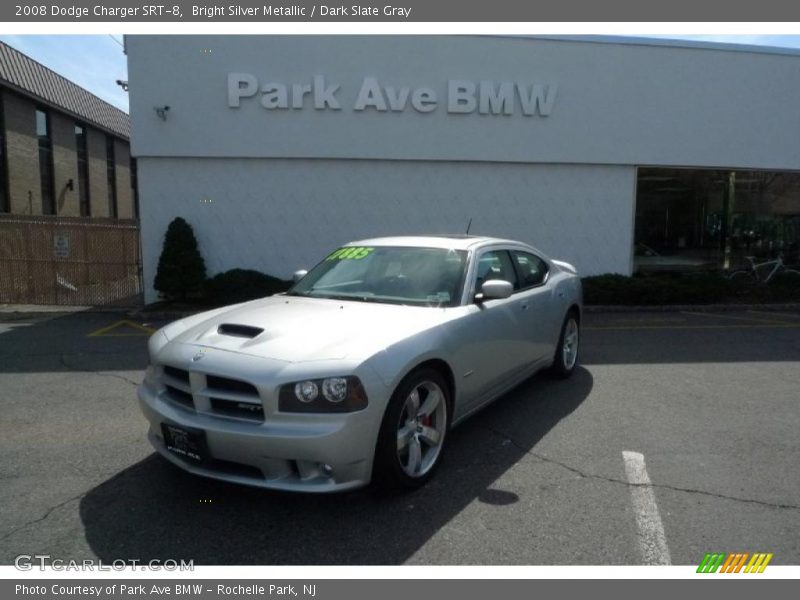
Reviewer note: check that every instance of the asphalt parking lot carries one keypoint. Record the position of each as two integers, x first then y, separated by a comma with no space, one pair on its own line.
704,406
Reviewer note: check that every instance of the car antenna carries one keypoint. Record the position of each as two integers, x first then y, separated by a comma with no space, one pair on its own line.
469,224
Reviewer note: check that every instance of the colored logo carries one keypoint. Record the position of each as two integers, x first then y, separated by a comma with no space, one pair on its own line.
734,562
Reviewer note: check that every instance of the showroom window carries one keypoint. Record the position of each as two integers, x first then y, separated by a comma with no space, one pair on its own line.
704,219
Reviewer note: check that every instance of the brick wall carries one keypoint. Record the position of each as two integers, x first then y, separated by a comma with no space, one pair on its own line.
22,148
98,184
65,161
25,195
124,191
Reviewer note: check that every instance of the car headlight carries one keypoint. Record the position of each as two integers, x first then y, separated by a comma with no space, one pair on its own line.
334,389
306,391
332,394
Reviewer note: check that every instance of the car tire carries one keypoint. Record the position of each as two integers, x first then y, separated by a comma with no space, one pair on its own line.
566,355
410,446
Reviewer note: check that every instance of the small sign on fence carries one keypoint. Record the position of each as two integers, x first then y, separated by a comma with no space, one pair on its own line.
61,245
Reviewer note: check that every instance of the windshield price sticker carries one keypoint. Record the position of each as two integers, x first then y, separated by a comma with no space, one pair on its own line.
351,253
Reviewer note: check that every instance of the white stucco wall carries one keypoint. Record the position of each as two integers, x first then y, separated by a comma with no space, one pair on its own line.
615,103
278,216
287,185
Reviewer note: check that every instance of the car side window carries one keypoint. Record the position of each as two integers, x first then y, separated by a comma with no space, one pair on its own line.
495,264
532,269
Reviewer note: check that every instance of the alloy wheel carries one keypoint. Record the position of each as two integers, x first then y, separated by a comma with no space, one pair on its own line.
570,348
421,429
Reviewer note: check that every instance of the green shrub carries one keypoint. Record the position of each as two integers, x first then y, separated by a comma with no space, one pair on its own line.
181,268
240,285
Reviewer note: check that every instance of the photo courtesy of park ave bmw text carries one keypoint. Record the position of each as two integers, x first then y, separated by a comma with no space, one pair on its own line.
287,146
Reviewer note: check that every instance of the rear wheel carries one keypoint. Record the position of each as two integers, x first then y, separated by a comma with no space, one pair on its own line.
566,356
413,431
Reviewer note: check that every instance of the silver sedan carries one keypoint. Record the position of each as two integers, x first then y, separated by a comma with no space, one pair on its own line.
359,371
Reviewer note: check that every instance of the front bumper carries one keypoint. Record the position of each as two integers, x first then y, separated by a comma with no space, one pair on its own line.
286,454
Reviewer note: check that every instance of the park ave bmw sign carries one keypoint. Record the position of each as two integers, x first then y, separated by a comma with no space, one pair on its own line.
461,96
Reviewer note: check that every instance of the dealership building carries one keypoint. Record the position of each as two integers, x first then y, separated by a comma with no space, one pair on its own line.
616,155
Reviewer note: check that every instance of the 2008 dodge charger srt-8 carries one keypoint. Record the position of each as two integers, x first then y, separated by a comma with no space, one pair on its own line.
359,371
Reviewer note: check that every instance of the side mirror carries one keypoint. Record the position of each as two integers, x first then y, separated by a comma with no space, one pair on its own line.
298,275
494,289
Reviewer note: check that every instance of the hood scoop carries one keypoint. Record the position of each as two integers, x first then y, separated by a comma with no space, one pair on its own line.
242,331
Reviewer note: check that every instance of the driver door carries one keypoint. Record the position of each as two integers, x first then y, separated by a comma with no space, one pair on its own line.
489,348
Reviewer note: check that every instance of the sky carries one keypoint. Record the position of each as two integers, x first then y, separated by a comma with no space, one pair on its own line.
96,62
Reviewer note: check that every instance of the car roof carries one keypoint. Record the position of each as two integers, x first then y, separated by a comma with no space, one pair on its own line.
443,240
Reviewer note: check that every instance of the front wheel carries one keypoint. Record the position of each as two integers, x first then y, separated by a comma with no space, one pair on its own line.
413,431
566,356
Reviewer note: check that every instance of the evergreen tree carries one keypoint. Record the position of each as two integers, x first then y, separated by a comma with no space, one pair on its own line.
181,268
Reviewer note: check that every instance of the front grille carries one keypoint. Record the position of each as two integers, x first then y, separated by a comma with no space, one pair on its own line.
230,397
180,397
179,374
226,397
242,410
223,384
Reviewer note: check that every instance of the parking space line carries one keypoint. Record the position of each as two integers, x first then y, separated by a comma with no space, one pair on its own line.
750,319
652,541
140,330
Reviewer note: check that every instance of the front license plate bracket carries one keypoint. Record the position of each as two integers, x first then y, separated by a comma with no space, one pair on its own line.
186,442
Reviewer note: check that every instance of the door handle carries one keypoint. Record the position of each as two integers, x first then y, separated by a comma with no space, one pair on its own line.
524,305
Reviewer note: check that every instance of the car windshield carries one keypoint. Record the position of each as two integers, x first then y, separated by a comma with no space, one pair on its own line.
391,274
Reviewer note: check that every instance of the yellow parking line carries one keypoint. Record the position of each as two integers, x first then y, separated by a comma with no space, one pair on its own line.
751,319
104,331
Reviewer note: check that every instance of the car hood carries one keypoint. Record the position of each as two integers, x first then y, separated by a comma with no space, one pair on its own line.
295,329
